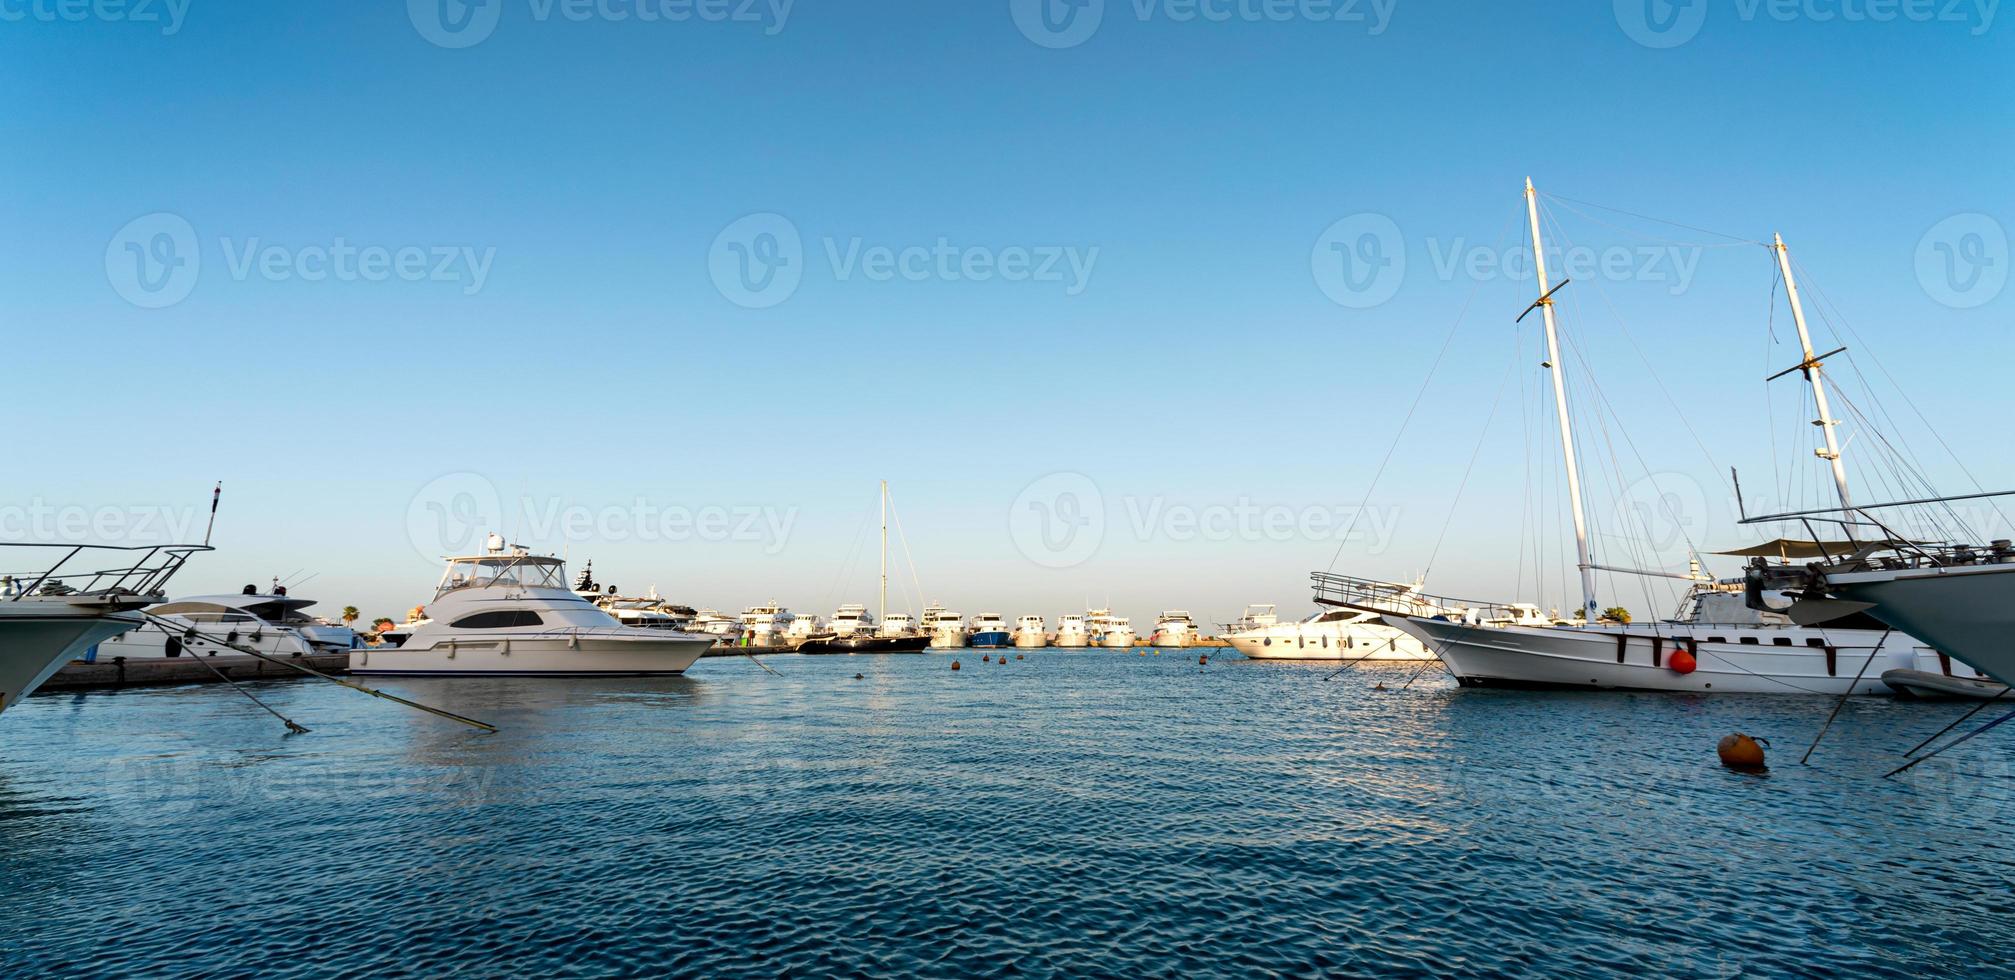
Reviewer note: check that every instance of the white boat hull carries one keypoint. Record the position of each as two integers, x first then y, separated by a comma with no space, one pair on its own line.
1072,641
151,641
948,640
584,653
1568,657
1172,639
35,644
1965,610
1117,639
1325,641
1031,640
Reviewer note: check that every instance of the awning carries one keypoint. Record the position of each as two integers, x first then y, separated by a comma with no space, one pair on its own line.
1790,549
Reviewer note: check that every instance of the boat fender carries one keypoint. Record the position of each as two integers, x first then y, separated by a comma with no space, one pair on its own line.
1742,753
1682,662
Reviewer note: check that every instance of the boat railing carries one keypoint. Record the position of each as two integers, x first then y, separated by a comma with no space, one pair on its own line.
1373,595
1893,549
146,573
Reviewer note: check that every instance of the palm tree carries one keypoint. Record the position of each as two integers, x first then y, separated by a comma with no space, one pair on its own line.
350,615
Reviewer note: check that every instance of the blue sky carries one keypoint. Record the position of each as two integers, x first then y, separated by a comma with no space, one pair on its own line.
567,194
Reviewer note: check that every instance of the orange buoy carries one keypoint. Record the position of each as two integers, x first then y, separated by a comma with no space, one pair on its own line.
1003,661
1143,653
955,665
1682,662
1740,752
1017,656
1380,686
986,658
1203,658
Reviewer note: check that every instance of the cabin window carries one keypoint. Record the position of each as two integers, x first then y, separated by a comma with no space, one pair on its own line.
1782,641
1717,639
1815,642
498,619
1750,641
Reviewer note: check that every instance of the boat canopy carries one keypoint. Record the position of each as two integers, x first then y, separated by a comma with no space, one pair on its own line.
1792,549
505,569
230,608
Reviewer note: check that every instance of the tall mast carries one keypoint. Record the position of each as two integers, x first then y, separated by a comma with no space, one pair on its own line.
884,614
1587,565
1811,369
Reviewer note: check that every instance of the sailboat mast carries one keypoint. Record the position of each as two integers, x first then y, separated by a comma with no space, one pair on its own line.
884,614
1812,371
1587,564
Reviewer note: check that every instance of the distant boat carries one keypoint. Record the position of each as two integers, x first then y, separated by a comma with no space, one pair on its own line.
764,627
1071,632
269,622
1108,630
948,631
1028,633
988,631
1174,628
1332,634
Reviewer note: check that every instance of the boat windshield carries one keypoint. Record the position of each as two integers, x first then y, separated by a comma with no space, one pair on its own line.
503,570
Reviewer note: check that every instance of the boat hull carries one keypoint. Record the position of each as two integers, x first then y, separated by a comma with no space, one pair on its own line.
1116,640
33,646
1072,642
990,640
597,653
1966,610
1031,641
1351,641
1588,659
1172,639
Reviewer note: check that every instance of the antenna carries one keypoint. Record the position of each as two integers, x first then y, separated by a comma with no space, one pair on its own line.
215,495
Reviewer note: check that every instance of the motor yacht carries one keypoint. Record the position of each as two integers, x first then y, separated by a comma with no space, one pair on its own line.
1071,632
987,632
269,622
1174,628
1330,634
1108,630
765,627
509,612
851,619
947,630
1029,633
61,607
897,624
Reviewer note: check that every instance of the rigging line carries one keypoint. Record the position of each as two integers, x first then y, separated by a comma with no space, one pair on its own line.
1904,468
905,540
1482,438
1646,217
1880,365
1476,285
1651,238
847,562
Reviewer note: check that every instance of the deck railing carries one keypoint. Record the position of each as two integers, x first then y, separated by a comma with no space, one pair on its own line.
142,569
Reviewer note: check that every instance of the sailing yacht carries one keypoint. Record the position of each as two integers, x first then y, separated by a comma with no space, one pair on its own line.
509,612
854,629
1071,632
1029,633
52,615
1712,649
269,622
1174,629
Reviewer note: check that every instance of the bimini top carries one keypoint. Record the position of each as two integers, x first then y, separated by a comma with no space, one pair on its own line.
512,567
235,608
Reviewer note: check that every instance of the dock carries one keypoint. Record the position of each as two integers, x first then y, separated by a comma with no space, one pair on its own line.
122,672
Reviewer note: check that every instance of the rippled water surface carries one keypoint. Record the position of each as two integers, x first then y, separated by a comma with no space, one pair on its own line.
1070,813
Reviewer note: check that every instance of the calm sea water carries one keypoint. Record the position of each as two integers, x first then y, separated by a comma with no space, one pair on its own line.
1070,813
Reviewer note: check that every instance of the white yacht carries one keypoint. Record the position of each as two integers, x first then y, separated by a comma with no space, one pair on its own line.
804,629
269,622
1071,632
853,619
764,626
1108,630
948,629
57,612
647,611
1332,634
896,625
1029,633
725,629
510,612
1175,628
